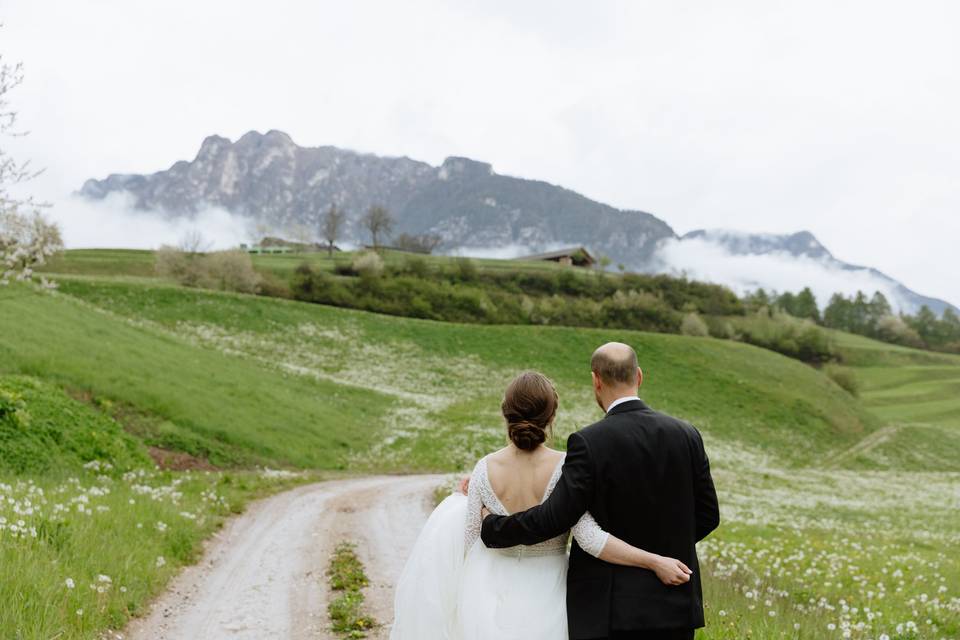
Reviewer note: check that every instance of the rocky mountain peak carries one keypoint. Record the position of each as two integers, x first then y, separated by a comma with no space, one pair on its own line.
465,167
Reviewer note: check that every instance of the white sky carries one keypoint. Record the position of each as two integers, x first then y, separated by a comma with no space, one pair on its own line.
838,117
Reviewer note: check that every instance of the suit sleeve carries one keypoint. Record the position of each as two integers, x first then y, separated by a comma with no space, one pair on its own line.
569,500
707,507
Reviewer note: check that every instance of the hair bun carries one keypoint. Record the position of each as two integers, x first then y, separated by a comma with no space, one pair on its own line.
526,435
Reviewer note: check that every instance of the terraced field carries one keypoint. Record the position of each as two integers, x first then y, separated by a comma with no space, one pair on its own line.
917,396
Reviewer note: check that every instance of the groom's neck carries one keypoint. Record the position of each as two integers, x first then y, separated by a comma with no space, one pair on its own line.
616,394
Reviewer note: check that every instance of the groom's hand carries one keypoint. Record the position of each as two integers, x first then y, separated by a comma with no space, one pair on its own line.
484,513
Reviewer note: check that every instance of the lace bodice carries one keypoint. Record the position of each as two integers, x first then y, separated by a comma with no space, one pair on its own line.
587,532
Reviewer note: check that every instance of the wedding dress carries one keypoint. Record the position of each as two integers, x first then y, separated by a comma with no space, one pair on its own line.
455,588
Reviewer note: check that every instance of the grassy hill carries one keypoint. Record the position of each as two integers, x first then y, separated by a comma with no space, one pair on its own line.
840,514
916,394
241,379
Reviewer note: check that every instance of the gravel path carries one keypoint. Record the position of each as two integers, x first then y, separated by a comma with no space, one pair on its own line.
262,576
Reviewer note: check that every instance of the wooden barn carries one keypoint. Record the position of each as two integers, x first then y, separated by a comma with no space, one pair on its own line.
572,256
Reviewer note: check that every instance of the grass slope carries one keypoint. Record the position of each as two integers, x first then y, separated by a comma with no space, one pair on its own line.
43,430
89,531
836,523
227,409
445,380
916,394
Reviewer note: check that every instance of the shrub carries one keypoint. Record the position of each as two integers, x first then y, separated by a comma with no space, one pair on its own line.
179,265
845,378
693,325
225,270
416,267
368,264
230,271
466,269
639,310
893,329
783,333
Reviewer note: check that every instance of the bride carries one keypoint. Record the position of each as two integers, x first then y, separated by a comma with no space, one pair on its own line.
455,588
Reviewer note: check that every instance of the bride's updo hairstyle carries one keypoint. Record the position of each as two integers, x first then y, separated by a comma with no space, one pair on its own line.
529,407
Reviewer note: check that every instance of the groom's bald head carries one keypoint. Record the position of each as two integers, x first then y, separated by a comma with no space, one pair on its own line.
616,365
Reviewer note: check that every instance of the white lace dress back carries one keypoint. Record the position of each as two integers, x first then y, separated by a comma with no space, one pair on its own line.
455,588
587,532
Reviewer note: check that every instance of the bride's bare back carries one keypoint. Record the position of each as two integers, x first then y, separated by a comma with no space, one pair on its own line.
520,478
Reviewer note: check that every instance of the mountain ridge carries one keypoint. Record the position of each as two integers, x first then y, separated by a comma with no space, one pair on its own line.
268,178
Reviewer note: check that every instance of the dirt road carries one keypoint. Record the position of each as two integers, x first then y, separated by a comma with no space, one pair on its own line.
263,576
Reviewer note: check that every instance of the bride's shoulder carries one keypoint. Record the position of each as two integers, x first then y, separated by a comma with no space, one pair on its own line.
557,455
482,462
495,456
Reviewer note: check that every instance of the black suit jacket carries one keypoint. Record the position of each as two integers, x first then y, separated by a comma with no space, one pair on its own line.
646,479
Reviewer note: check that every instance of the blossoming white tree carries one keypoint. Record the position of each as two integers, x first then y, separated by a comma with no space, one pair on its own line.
27,239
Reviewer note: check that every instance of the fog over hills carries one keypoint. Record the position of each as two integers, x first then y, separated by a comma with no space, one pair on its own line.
267,180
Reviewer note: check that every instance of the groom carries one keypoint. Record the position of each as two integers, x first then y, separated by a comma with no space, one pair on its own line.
645,478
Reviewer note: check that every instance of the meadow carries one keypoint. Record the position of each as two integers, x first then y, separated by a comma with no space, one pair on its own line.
841,514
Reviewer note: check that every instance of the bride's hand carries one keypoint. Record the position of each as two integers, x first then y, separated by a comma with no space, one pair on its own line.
464,485
671,571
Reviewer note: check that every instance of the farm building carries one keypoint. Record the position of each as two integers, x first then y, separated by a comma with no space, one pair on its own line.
575,256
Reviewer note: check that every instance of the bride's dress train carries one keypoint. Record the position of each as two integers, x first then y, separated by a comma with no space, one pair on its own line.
455,588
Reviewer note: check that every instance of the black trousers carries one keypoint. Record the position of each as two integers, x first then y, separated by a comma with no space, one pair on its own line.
652,634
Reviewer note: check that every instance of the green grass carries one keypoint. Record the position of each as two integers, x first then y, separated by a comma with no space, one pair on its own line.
112,262
43,430
89,531
916,394
140,263
216,406
442,382
137,529
347,579
836,510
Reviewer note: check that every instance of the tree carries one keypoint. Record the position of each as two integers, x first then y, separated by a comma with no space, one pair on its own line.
756,300
838,312
193,243
302,235
787,302
330,227
925,323
378,221
27,239
805,305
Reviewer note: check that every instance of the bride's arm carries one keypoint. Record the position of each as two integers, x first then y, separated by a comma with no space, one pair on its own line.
474,505
609,548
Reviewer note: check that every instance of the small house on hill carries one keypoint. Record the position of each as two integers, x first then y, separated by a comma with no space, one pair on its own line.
574,256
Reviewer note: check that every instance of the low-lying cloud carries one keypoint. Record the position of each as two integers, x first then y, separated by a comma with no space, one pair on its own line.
115,223
703,260
507,251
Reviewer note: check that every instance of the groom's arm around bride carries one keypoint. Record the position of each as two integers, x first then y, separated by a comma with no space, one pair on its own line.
645,478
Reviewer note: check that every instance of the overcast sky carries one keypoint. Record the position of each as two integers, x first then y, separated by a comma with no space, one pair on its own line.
837,117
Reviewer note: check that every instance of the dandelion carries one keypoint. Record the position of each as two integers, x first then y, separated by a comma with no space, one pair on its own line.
70,583
79,612
160,561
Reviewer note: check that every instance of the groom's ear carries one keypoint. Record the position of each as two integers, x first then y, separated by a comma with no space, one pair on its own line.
639,377
596,380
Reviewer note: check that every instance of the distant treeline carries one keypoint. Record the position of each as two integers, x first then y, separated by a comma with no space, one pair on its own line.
872,317
459,291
